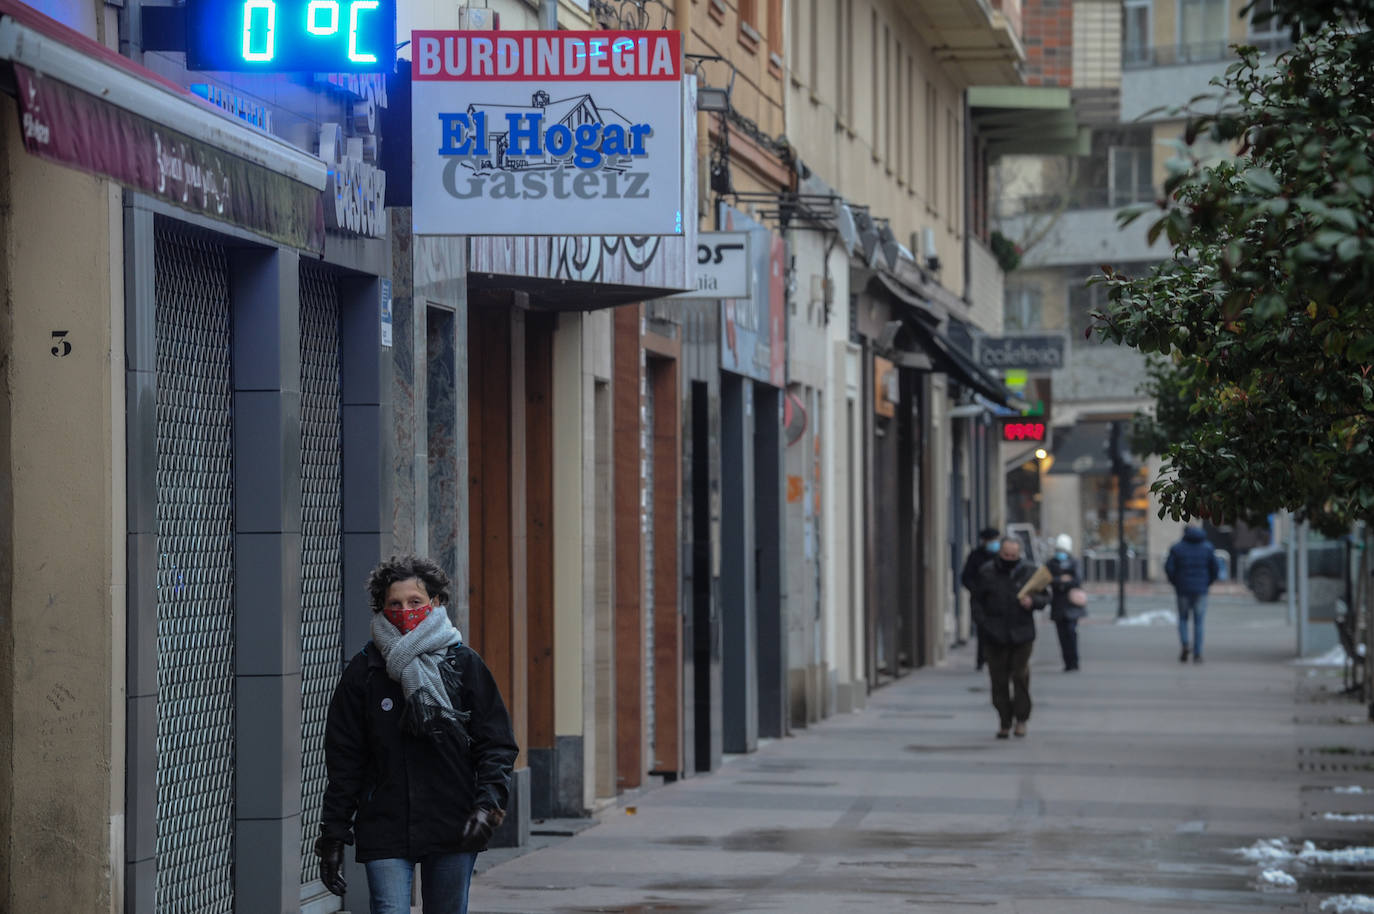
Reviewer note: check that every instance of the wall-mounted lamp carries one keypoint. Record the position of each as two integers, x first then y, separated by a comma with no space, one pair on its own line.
715,99
712,99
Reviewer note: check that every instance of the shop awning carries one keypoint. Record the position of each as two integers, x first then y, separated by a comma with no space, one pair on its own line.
947,358
933,351
85,106
918,306
1027,120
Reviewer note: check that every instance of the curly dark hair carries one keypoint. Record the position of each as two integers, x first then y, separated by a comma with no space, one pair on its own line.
403,568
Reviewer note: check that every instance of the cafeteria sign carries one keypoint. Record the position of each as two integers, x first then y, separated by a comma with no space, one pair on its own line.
550,133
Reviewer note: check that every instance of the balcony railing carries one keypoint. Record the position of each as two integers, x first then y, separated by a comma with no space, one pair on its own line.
1077,199
1172,55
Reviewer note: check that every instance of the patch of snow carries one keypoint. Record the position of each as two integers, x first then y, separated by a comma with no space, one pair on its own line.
1349,904
1352,789
1359,856
1333,657
1278,879
1348,816
1267,850
1165,616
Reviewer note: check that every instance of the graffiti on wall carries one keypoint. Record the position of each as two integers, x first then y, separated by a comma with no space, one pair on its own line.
583,258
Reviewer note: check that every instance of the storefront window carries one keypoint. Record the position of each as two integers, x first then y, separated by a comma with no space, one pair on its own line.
1099,504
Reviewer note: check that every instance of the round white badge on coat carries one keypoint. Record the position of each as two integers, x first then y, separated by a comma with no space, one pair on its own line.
386,704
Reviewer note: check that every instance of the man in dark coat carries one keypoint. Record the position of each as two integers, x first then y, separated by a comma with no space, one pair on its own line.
1191,567
418,747
1007,630
989,540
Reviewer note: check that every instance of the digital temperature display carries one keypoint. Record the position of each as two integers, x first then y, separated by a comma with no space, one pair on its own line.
271,36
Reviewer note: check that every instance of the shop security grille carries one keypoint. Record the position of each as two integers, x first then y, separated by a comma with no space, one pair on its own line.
195,619
321,540
647,452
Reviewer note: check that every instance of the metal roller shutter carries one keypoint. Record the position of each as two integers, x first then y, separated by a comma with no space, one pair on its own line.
647,507
322,649
195,618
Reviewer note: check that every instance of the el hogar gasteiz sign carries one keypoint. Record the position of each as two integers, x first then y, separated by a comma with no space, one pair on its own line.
547,133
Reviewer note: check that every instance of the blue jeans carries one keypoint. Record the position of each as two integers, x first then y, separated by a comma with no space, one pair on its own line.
1195,606
444,881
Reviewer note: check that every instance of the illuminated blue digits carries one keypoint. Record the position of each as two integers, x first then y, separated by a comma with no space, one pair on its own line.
354,8
265,47
312,18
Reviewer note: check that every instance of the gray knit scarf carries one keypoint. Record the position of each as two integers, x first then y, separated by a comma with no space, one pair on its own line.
417,661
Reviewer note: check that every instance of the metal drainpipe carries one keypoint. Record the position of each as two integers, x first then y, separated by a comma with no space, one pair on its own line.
548,15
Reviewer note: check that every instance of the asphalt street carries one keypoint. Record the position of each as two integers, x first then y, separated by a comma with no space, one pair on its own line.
1138,782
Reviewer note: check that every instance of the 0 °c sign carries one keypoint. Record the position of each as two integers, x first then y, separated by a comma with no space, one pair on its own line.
270,36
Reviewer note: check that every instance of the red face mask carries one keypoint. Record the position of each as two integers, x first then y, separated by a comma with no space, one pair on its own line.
406,620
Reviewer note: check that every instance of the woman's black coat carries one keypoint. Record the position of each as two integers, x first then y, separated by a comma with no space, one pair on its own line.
1060,607
410,794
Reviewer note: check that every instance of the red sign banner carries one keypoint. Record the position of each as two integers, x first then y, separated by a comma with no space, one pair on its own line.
546,56
70,127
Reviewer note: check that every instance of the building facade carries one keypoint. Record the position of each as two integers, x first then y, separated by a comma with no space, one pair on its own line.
1134,67
675,526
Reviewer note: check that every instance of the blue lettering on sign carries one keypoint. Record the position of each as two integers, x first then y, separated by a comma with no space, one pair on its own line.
321,36
588,145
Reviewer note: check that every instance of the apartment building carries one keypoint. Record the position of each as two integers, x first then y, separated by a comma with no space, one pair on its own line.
892,276
1142,61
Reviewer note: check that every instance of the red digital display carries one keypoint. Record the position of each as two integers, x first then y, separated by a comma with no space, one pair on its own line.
1023,431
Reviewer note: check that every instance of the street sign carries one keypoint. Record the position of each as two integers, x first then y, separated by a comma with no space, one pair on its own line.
724,267
1031,352
547,133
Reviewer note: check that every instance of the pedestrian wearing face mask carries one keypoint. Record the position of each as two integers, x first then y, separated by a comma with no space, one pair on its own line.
1068,603
418,748
1008,632
989,540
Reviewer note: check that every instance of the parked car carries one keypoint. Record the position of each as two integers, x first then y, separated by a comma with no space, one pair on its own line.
1266,572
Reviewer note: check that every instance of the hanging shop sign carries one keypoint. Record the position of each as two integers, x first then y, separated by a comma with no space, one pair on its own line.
278,36
550,133
754,328
1031,352
724,266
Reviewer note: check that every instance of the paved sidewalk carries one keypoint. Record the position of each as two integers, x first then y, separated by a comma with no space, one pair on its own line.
1138,780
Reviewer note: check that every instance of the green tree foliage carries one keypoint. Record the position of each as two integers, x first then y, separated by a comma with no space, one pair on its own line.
1262,320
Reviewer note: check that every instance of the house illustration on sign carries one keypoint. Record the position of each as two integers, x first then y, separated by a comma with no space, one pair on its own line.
571,113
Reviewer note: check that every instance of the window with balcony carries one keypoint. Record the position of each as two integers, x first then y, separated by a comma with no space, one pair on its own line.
1135,33
1130,178
1202,30
1023,308
1266,31
1084,299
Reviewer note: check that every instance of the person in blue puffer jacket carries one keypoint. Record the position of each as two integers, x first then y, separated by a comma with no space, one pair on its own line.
1192,567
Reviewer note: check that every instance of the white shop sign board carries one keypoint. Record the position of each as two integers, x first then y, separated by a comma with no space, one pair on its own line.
547,133
724,268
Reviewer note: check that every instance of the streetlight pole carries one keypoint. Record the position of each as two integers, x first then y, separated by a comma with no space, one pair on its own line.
1121,469
1121,545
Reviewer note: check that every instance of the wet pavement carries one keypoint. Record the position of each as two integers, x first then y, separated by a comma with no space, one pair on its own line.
1139,781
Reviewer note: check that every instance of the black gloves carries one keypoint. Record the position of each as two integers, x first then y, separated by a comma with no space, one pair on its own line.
479,827
330,852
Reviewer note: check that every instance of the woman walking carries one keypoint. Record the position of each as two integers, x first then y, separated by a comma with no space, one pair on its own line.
1068,603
